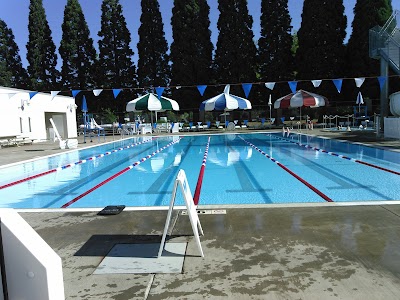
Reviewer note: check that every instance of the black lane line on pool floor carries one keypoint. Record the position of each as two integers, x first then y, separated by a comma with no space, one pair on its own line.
337,155
322,195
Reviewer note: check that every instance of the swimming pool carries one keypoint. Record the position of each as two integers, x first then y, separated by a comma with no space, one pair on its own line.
254,168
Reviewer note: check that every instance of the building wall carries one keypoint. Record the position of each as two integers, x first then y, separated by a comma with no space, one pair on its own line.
23,117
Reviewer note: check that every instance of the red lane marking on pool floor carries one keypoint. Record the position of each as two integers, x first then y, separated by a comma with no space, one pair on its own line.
310,186
118,174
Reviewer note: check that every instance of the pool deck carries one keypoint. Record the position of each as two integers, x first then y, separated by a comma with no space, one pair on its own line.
325,251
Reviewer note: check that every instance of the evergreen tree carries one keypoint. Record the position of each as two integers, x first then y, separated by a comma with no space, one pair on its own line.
76,49
115,59
41,51
115,67
275,44
12,73
235,56
153,67
367,14
191,49
321,51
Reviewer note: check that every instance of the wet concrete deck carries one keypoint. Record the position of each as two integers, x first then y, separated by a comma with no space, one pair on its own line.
265,252
347,252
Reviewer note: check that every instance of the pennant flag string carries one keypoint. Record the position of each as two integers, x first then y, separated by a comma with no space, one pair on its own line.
246,86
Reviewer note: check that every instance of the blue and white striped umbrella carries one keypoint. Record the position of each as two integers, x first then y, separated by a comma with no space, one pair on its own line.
225,102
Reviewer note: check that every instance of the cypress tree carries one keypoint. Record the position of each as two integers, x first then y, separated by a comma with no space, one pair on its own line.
367,14
12,73
41,51
235,56
321,50
76,49
115,67
153,67
275,44
115,59
191,49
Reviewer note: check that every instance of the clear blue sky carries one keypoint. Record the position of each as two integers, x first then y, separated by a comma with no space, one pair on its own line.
15,14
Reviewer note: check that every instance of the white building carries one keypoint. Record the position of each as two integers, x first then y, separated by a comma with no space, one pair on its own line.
26,118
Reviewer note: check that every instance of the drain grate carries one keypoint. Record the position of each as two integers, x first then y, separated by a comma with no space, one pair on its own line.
208,212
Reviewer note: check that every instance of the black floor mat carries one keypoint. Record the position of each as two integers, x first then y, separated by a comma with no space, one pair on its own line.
111,210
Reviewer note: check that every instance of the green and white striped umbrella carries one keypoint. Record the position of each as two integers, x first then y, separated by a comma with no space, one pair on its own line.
152,103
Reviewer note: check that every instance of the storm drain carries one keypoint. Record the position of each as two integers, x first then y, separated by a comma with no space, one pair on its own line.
208,212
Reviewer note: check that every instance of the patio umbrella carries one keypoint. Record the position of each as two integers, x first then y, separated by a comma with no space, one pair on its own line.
225,102
84,110
301,99
152,103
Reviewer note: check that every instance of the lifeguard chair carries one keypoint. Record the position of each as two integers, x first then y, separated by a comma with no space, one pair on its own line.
360,114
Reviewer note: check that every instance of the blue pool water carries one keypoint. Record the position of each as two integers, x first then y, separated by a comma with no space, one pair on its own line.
240,169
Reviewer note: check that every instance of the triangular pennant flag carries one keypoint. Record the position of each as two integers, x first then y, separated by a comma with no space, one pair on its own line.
159,91
338,84
97,92
10,95
382,80
293,86
246,88
270,85
53,94
75,92
201,89
359,81
116,92
178,87
32,94
316,83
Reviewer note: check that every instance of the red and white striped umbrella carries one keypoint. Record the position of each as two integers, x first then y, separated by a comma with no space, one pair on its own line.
300,99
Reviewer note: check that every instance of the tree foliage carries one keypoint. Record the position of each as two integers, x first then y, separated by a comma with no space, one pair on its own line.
12,73
367,14
153,63
76,49
191,49
41,50
320,37
275,43
116,68
235,56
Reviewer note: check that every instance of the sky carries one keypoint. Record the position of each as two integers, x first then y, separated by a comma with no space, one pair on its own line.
15,14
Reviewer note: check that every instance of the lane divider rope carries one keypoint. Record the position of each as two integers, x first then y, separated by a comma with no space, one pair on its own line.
201,174
119,173
337,155
325,197
70,165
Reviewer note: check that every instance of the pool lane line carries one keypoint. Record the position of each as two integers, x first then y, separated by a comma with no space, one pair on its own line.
338,155
201,175
82,161
119,173
321,194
